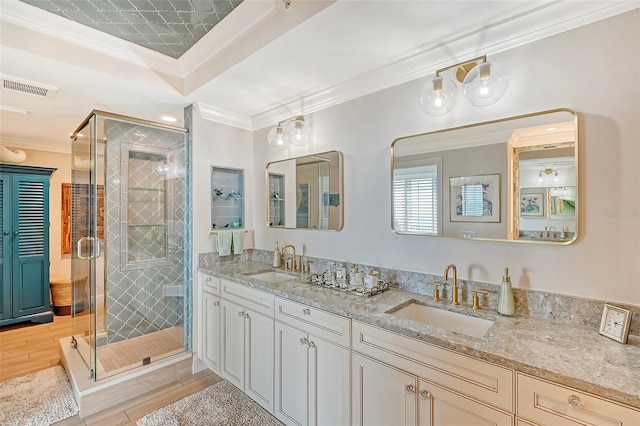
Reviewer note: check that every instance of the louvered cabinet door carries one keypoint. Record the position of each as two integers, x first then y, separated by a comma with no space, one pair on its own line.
5,249
30,245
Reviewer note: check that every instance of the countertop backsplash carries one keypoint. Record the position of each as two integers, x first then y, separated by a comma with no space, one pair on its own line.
539,304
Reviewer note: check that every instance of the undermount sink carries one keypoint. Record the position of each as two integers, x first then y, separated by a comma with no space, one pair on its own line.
273,277
447,320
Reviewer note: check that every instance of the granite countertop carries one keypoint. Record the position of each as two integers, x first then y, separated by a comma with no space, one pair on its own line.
575,356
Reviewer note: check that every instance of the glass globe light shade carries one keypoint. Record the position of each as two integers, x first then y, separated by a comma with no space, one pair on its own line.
438,96
485,84
298,132
277,139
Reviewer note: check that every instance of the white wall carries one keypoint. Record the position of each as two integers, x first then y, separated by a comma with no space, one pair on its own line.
215,145
592,70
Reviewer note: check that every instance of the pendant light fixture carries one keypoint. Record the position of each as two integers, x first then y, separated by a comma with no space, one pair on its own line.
483,83
295,131
277,139
298,131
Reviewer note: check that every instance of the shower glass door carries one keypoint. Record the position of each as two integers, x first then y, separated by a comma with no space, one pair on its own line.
84,240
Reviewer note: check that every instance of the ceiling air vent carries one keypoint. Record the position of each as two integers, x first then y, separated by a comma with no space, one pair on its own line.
28,87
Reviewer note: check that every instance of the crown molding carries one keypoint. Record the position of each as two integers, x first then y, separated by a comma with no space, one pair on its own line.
517,31
20,143
243,20
208,112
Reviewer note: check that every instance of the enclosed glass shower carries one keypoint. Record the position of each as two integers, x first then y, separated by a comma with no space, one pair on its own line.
128,229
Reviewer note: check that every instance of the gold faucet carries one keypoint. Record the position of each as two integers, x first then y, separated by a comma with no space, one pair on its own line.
293,261
454,289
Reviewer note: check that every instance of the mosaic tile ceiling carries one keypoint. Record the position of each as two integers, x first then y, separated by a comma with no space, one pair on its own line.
170,27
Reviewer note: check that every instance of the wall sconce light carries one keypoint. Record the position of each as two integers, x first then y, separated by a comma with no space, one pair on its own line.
483,83
294,131
548,175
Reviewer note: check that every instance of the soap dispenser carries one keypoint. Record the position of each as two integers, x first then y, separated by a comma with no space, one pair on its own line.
276,257
507,304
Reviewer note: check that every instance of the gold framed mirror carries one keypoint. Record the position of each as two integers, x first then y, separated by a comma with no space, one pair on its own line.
514,179
306,192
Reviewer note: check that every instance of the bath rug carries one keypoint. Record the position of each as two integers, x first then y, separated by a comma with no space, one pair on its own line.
221,404
37,399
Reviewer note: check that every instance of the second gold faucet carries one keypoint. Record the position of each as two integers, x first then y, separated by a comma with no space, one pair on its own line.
454,289
293,261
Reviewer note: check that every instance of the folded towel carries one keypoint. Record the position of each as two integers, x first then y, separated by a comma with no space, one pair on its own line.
224,243
238,241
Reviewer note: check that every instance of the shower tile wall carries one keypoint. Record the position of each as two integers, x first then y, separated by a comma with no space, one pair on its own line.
134,299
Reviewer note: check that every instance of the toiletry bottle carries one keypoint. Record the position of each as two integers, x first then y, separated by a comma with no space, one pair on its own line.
276,257
507,304
341,276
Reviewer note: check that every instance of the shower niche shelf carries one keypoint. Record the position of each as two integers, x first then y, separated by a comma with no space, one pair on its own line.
227,198
147,206
276,200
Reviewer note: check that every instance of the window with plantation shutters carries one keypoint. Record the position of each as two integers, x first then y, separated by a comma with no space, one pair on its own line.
472,203
416,200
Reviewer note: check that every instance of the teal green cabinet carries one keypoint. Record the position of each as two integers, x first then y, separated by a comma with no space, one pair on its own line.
24,244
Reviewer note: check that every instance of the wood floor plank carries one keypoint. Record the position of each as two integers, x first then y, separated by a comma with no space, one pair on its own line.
196,376
196,386
71,421
15,356
21,370
117,419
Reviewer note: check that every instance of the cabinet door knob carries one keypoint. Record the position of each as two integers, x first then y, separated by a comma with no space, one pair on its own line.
241,313
312,344
6,232
410,389
424,394
216,303
306,311
246,316
208,279
304,341
574,402
16,232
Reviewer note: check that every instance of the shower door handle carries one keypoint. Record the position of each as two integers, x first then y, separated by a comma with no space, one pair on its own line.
95,242
97,246
79,249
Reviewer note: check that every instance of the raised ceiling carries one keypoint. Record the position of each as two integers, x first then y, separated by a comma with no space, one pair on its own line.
259,64
170,27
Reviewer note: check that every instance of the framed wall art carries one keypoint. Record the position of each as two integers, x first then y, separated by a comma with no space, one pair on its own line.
475,198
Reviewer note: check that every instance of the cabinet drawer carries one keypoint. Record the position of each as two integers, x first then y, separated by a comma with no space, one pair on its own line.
331,327
548,403
470,376
210,284
251,298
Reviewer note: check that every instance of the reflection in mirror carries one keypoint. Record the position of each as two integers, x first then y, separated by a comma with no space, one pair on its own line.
306,192
513,179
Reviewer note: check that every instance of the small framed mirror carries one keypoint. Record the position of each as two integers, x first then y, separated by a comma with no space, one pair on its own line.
514,179
306,192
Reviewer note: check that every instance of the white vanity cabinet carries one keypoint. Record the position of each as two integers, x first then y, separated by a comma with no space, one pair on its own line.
398,380
546,403
210,325
380,395
312,366
385,395
247,351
